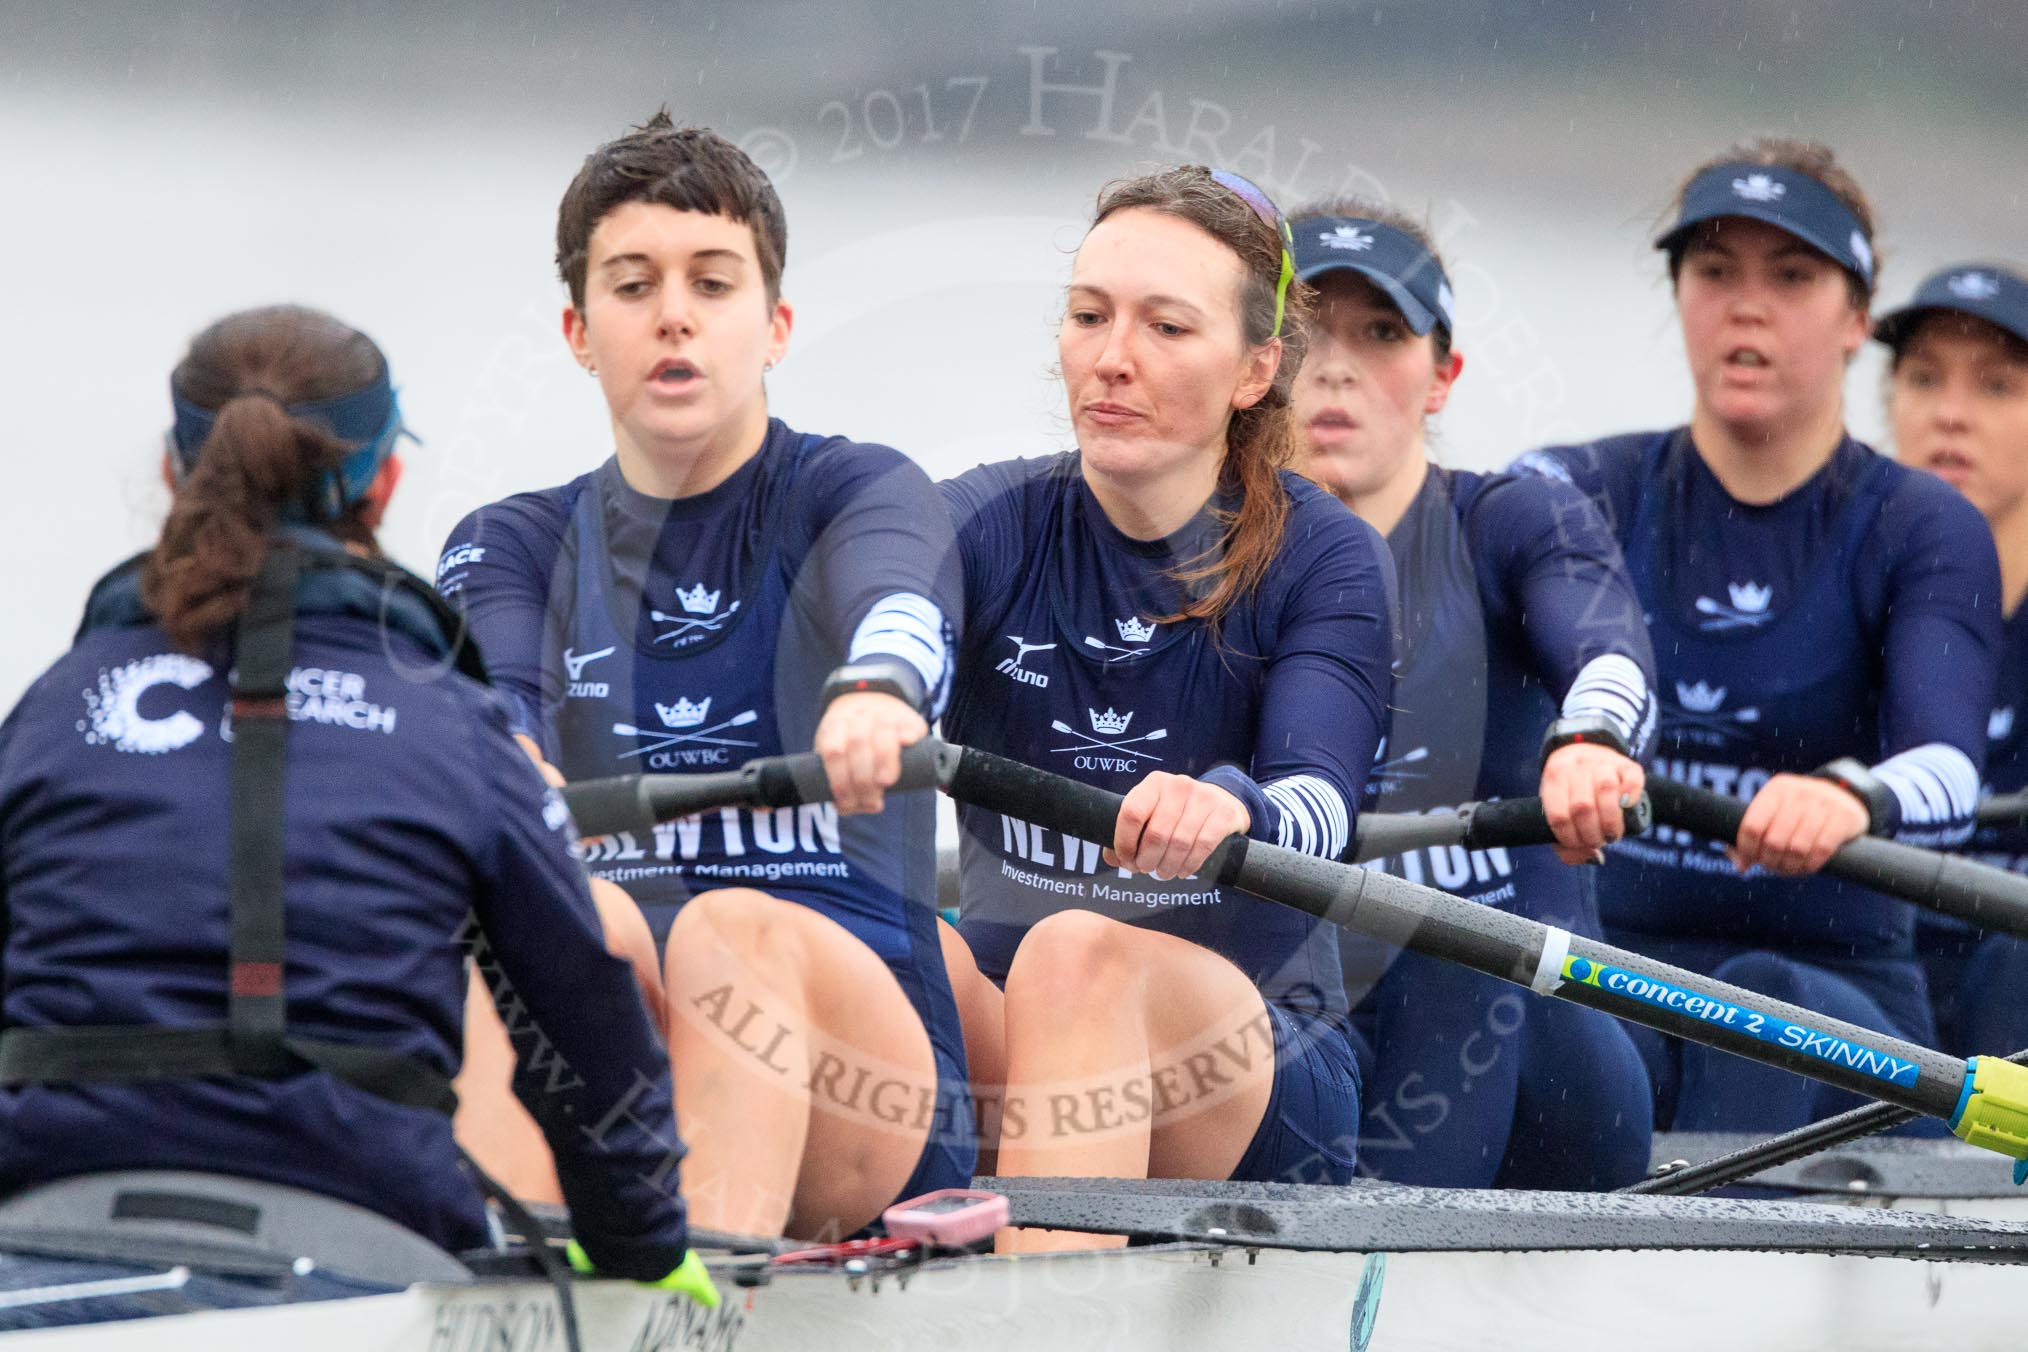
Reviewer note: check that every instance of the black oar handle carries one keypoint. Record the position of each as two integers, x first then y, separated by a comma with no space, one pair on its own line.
1989,897
1499,823
2003,809
1509,947
1082,810
603,807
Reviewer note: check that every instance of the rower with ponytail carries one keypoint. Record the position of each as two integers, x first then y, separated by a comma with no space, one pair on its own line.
252,825
1169,612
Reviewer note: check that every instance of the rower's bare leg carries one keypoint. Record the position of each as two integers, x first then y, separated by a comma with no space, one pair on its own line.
982,1012
1130,1054
805,1083
490,1123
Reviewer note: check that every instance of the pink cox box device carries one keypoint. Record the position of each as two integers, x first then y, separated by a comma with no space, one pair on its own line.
955,1218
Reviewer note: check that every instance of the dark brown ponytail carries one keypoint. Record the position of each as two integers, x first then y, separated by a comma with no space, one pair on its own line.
1260,441
256,461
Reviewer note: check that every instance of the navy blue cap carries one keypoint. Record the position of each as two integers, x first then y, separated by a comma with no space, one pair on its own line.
1783,198
1997,295
1392,259
369,419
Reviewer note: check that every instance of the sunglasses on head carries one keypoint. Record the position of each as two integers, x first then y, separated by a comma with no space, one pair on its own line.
1264,207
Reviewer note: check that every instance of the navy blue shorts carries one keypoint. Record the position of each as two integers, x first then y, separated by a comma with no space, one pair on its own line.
952,1148
1310,1131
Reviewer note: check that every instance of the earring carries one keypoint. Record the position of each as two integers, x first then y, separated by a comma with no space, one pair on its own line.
591,371
766,367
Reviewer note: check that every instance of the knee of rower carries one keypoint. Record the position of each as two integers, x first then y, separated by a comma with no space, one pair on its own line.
729,925
1069,960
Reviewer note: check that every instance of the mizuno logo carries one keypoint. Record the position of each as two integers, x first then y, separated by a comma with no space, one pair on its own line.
1862,251
697,601
1700,698
1011,666
1974,286
575,664
1133,629
1349,237
683,714
1759,188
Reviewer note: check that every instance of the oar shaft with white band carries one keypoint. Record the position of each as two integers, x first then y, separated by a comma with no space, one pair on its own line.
1950,884
636,803
1547,960
1498,823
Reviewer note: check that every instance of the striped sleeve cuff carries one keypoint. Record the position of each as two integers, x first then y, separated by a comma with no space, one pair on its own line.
1311,815
1937,788
912,628
1611,686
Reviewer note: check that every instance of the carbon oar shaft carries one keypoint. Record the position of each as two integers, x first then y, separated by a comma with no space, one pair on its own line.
1776,1151
1499,823
1950,884
1547,960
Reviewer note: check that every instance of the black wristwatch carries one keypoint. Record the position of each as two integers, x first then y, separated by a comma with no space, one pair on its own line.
886,675
1883,809
1590,729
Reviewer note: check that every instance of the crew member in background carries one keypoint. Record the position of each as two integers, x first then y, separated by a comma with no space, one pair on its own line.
1825,625
1512,600
1957,401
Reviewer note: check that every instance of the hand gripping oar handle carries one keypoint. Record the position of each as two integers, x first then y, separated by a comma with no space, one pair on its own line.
602,807
1951,884
1986,1102
1499,823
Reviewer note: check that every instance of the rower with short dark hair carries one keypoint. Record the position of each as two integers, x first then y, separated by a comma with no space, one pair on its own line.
1523,667
248,822
1171,612
1825,625
1957,400
724,587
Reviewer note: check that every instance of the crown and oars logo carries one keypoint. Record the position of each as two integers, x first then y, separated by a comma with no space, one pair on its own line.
1133,629
697,601
1700,698
1110,723
683,713
1750,597
1974,286
1759,188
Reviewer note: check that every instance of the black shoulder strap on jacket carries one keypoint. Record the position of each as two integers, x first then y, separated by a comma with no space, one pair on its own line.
255,1038
256,1019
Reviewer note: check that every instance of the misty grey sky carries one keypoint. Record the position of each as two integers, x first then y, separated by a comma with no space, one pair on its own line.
400,167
